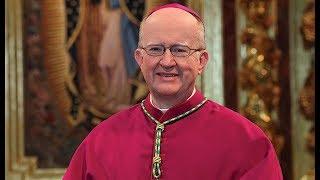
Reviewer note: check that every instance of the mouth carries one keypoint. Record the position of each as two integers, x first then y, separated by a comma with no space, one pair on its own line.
167,74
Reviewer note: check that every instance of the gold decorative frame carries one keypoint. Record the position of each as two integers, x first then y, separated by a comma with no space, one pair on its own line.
17,165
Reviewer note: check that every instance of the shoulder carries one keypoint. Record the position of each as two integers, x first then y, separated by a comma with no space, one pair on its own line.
121,116
238,131
247,145
232,123
225,113
115,123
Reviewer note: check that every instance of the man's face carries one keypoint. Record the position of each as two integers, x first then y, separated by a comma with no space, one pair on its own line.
167,75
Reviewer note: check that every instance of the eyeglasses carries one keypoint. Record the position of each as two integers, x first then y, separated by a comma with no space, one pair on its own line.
176,50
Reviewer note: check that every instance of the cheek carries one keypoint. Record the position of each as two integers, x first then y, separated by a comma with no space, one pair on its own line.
191,69
147,70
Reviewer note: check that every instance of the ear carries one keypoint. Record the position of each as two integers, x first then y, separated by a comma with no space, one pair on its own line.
138,56
204,57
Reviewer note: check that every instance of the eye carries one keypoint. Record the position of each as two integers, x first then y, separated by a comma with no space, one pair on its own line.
155,48
179,49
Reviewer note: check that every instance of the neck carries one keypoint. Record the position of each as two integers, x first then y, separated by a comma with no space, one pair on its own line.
166,102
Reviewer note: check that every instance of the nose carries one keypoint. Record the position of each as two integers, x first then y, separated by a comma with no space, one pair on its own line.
167,59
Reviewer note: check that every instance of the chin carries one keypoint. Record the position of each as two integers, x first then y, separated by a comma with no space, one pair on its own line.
166,91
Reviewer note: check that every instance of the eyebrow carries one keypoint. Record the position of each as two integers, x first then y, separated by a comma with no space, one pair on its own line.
166,45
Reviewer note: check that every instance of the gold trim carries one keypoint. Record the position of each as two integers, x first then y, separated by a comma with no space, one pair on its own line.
57,62
79,25
156,160
17,165
130,16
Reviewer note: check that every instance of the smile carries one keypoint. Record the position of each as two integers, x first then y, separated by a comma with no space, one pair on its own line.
166,74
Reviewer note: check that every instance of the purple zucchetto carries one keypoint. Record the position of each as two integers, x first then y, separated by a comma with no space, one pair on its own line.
179,6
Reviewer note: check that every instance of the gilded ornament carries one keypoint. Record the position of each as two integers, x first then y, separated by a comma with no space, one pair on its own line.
306,98
258,75
309,176
308,25
257,11
255,109
307,94
255,71
310,139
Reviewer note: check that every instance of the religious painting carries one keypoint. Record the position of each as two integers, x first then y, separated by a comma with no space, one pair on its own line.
80,70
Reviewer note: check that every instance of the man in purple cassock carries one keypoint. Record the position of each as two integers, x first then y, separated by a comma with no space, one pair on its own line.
175,133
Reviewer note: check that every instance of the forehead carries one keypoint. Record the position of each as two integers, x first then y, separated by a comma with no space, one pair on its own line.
171,12
170,24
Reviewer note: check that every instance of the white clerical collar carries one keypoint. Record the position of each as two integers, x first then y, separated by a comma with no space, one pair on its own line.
163,110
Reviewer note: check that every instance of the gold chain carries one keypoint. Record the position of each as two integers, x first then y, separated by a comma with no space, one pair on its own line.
156,161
